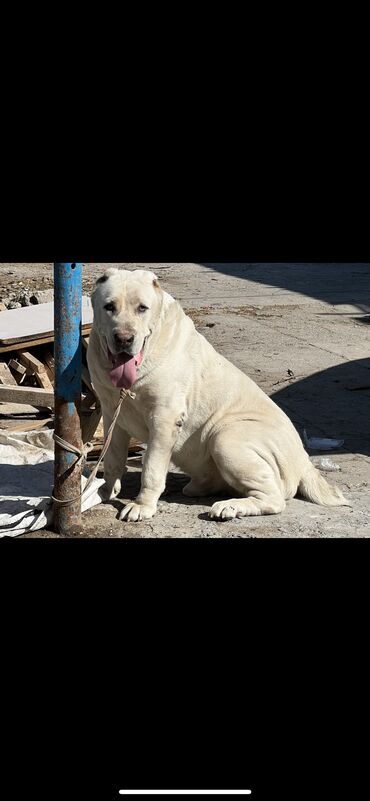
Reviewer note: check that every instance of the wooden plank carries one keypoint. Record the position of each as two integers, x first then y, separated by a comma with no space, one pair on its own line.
38,368
49,374
6,377
25,425
30,342
42,398
49,363
89,424
30,360
32,322
135,444
17,367
18,370
99,431
43,380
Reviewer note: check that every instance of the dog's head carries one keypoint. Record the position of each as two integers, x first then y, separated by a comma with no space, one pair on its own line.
126,307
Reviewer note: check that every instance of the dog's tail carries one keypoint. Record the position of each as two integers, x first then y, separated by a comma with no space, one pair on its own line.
315,488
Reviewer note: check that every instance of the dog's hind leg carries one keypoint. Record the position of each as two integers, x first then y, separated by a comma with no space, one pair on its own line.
209,484
248,473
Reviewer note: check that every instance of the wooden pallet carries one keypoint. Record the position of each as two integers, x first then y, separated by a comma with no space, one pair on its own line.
27,373
27,378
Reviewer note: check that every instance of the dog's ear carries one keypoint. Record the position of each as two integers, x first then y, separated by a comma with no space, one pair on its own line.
103,278
148,275
155,280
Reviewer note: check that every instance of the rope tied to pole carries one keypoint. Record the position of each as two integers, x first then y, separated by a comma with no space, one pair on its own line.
81,454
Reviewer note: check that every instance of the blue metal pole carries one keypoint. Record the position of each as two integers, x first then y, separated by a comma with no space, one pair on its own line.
67,355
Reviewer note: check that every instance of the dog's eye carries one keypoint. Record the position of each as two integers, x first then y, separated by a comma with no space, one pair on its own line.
142,308
110,307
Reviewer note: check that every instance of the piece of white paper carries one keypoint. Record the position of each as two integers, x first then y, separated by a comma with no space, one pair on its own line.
26,482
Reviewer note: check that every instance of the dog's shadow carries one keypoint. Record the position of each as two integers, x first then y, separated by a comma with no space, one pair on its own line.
172,494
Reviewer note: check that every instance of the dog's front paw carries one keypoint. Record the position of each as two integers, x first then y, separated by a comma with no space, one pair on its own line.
133,512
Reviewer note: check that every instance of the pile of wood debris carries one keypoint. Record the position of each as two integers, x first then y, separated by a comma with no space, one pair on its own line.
27,374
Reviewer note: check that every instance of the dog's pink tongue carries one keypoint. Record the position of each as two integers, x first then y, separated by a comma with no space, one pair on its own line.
124,372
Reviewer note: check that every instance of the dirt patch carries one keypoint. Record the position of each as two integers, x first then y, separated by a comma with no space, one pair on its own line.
259,311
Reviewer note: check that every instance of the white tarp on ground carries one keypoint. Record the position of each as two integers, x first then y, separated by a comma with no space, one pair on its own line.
26,482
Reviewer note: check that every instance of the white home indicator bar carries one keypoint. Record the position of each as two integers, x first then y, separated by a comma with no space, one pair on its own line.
185,792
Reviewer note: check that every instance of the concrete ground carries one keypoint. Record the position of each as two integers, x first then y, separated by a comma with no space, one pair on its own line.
302,332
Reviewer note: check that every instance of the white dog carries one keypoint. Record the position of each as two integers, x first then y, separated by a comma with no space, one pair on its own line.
191,407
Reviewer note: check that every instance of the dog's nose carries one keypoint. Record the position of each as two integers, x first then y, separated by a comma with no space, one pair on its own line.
124,339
